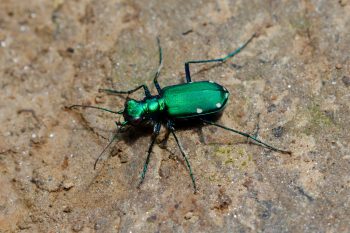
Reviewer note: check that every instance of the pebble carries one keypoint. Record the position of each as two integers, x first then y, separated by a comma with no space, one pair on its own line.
100,99
278,131
68,185
346,80
188,215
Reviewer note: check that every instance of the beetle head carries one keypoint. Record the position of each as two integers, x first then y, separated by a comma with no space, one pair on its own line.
134,111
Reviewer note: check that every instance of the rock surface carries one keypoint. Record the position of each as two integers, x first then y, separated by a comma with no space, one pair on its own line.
292,79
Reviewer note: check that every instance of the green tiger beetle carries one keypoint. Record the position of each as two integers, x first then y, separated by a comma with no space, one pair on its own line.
189,101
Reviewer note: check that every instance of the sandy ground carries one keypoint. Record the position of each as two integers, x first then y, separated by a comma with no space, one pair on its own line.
293,79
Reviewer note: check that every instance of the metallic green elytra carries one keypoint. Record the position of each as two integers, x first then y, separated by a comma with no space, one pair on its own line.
206,98
191,100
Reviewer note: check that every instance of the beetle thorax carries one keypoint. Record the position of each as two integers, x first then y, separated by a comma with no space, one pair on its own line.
137,111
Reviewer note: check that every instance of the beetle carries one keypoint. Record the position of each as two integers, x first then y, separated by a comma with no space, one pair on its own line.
190,100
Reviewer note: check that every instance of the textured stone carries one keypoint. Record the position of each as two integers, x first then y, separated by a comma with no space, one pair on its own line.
291,81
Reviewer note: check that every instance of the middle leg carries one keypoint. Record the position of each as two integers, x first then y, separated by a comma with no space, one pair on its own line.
156,130
113,92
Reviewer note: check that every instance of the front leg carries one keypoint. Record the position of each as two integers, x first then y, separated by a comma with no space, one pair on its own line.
103,151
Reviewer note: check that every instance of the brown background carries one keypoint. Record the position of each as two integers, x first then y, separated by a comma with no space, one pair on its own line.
295,74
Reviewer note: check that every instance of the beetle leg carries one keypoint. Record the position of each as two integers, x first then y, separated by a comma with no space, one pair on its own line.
115,92
108,145
156,130
155,80
172,130
246,135
232,54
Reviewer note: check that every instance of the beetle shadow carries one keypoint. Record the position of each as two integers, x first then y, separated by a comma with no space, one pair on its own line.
132,133
129,136
188,123
191,124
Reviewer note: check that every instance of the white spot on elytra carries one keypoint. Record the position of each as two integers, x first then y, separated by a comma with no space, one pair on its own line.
226,94
199,110
218,105
211,81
